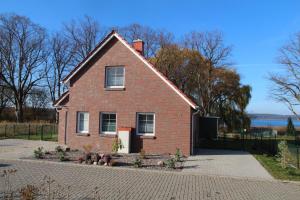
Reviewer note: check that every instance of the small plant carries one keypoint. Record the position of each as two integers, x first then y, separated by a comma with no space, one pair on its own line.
39,153
62,156
178,155
284,154
59,149
80,160
142,154
116,145
106,158
29,192
137,163
170,163
95,157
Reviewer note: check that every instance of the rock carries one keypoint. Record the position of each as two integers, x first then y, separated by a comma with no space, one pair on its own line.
160,163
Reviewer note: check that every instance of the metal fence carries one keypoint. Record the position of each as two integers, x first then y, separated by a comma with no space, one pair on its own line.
29,131
262,142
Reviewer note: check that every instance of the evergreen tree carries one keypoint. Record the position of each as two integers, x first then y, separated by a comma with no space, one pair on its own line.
290,129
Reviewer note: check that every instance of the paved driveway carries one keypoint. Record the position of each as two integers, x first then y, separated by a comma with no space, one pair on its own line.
16,148
119,183
226,163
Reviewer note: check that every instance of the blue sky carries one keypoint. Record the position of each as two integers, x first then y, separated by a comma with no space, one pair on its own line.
255,28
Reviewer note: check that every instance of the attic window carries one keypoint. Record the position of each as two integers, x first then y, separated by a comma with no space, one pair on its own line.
114,77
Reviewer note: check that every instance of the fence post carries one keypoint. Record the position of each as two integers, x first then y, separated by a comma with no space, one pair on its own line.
42,133
14,132
28,131
298,164
5,131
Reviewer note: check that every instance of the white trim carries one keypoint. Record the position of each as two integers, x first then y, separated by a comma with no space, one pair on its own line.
142,59
100,123
114,87
137,123
77,121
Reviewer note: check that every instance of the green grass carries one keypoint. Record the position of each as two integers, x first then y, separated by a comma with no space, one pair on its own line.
273,167
32,131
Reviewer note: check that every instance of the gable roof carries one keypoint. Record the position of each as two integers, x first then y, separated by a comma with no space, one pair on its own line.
114,34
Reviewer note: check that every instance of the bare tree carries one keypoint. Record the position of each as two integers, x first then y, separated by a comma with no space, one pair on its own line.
22,57
83,34
286,85
153,39
38,98
210,45
59,64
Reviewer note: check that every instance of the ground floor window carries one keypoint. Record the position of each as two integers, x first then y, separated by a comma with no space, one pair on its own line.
145,123
108,123
82,122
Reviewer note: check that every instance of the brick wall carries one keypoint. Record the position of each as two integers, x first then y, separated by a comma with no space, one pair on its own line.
144,92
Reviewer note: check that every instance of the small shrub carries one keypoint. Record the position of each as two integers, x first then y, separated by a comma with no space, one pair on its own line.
170,163
62,156
59,149
116,145
95,157
142,154
80,159
137,163
29,192
178,155
39,153
284,154
106,158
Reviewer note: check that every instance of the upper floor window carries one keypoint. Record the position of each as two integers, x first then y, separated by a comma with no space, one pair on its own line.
114,77
82,122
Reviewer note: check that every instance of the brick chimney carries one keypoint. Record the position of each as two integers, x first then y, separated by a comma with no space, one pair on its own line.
138,45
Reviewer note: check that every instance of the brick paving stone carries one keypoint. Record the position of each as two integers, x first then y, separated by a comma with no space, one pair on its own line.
116,183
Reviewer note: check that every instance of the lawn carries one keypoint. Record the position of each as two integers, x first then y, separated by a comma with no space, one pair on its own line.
273,167
29,131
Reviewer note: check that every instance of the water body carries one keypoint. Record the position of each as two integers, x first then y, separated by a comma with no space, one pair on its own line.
272,122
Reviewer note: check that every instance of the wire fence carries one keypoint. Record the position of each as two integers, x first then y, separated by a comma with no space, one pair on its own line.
262,142
30,131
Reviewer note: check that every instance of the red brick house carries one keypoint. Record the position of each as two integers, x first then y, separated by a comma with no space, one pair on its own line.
116,87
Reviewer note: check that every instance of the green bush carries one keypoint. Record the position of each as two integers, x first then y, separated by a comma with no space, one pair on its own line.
59,149
39,153
117,144
170,163
178,155
284,154
137,163
62,156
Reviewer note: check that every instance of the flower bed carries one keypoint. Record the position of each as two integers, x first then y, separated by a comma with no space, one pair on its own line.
133,160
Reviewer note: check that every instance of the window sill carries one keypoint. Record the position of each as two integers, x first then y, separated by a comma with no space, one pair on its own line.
108,135
147,136
83,134
115,89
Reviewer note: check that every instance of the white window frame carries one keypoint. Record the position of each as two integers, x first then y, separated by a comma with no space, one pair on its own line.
137,123
78,121
108,132
106,78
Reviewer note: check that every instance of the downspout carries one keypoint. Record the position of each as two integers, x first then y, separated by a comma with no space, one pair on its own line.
195,113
